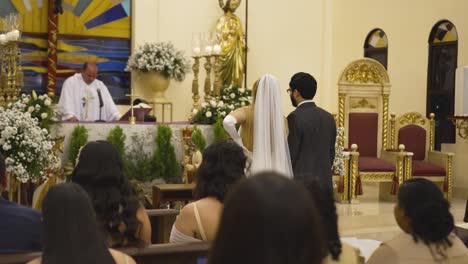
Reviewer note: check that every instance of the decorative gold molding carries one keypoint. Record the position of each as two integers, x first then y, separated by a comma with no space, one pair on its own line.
341,113
385,121
449,177
392,131
377,176
364,73
363,103
354,174
408,167
431,131
412,118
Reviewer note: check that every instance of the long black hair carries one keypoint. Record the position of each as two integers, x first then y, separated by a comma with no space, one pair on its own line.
268,219
424,204
99,171
70,231
323,198
223,164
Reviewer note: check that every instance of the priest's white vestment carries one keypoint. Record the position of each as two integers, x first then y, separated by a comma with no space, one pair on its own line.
81,100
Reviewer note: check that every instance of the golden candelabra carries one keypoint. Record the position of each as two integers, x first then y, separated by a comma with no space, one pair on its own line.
207,87
195,94
11,74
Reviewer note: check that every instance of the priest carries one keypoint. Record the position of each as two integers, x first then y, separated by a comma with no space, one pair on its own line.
84,98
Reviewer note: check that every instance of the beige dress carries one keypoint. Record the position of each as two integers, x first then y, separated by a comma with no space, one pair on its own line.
349,255
403,250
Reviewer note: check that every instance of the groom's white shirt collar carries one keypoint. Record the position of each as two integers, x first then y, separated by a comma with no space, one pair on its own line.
304,102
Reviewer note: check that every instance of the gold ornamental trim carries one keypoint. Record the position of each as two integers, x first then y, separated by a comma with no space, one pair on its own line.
377,176
449,178
385,121
363,103
364,73
412,119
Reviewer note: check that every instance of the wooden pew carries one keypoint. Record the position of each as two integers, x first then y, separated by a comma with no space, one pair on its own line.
172,192
185,253
161,224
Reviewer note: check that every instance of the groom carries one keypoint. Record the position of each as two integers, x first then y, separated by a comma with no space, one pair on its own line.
312,133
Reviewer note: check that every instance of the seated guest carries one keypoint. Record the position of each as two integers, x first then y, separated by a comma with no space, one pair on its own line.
120,215
20,227
84,98
222,165
423,215
70,231
338,252
269,219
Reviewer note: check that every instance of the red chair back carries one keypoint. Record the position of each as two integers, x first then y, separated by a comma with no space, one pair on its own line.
363,131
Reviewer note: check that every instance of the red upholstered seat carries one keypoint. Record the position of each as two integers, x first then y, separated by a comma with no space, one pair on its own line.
371,164
423,168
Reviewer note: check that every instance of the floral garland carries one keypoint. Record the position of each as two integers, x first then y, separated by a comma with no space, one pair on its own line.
231,98
28,148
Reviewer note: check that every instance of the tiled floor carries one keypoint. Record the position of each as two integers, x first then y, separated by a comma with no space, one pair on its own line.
371,219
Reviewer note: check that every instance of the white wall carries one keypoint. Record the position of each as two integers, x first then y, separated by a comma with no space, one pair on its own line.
279,43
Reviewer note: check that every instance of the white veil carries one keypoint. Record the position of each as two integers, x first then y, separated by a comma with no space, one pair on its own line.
270,145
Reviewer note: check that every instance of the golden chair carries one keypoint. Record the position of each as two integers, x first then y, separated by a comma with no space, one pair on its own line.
417,132
364,90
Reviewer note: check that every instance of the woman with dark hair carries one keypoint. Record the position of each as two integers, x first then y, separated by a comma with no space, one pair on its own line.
338,252
223,164
120,216
269,219
70,231
423,215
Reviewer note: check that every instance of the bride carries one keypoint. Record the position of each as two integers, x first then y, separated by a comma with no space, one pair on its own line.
262,130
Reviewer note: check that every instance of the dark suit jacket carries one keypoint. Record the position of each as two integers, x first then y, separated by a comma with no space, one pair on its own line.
312,136
20,228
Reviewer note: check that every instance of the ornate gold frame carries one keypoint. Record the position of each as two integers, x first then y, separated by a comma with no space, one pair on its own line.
439,158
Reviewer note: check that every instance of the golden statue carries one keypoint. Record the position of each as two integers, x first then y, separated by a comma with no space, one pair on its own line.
232,41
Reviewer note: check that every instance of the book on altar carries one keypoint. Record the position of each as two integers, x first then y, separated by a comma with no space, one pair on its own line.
139,111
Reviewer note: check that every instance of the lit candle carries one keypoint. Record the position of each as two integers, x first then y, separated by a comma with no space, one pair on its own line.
196,51
208,50
217,49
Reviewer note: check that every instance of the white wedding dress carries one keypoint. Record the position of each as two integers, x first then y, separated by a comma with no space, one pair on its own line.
270,145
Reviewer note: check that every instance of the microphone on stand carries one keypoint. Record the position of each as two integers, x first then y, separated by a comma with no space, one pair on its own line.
101,104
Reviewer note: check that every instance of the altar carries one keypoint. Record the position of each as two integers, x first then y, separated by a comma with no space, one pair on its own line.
144,130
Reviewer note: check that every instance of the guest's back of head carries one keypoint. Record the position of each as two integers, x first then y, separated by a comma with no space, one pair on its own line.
423,212
223,164
268,219
99,171
70,230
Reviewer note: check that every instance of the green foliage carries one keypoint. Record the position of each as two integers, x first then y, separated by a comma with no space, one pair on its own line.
78,139
117,138
165,160
138,164
219,133
198,139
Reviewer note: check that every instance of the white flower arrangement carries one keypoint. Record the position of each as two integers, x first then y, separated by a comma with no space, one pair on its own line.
27,147
161,56
339,162
231,98
39,107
